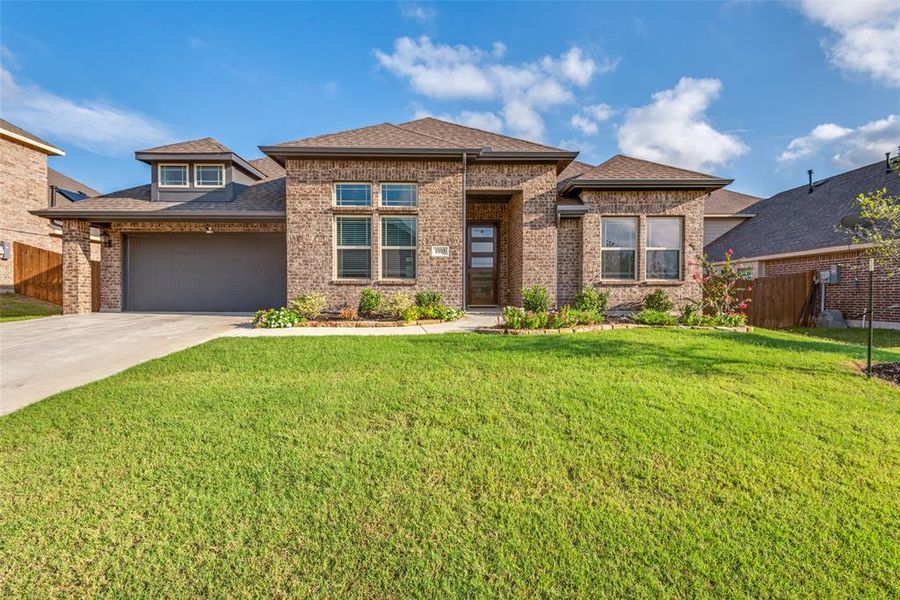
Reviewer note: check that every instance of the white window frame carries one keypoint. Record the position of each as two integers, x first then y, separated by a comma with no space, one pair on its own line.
398,206
637,231
197,179
415,248
334,195
337,246
187,175
679,249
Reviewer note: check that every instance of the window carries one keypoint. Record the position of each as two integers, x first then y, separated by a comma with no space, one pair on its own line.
209,175
173,176
398,247
354,247
398,194
619,236
352,194
663,247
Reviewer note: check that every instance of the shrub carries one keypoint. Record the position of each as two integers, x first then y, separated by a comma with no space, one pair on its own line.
308,306
536,320
428,299
591,298
691,316
649,316
513,317
348,313
535,299
370,301
276,318
658,301
724,288
733,320
400,306
586,317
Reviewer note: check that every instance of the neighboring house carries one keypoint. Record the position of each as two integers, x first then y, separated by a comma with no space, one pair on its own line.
424,205
798,230
723,211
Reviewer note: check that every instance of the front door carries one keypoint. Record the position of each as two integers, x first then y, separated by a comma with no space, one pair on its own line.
481,264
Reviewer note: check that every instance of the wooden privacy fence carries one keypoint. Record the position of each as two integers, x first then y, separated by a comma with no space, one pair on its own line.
782,301
37,273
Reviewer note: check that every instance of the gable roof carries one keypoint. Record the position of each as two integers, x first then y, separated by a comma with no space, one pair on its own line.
18,134
382,136
203,148
269,167
205,145
624,172
728,202
71,189
470,137
797,221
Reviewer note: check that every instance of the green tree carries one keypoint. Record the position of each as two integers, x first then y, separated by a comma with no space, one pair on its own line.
878,224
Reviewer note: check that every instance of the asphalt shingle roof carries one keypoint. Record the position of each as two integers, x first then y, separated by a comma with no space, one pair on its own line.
797,221
205,145
469,137
623,168
728,202
385,135
19,131
268,167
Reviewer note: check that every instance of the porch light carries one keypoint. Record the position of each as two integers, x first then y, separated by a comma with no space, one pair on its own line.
105,239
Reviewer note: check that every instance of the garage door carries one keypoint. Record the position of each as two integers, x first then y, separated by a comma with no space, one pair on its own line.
219,272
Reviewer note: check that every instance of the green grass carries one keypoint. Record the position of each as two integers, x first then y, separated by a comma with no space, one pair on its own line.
14,307
889,339
625,463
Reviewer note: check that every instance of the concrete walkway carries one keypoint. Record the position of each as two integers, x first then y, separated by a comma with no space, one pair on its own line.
41,357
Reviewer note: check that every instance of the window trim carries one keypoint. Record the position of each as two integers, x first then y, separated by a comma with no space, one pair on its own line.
635,276
384,247
680,249
197,179
381,203
334,194
336,247
187,175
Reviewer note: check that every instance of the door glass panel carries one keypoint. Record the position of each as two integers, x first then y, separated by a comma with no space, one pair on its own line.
481,262
482,232
482,246
481,287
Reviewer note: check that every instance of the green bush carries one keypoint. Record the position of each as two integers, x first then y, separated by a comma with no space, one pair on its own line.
370,301
658,301
592,299
691,316
400,306
535,299
586,317
276,318
649,316
733,320
513,317
308,306
536,320
428,299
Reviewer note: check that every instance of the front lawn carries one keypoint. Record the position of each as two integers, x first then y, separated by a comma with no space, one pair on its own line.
889,339
628,463
15,307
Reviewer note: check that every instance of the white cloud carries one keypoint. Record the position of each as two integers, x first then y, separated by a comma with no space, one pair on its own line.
585,125
486,120
847,146
94,125
418,12
524,90
586,122
600,112
674,128
867,32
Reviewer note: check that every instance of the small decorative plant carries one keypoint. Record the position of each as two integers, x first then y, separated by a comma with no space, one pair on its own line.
276,318
591,299
370,301
308,306
513,317
658,301
535,299
348,313
722,288
400,306
650,316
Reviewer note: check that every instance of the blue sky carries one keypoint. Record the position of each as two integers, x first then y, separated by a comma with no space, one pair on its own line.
757,91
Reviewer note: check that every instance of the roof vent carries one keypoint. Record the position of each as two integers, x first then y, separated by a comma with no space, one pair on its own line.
810,173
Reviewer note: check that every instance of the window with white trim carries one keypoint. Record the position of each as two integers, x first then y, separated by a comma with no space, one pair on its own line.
353,242
399,194
664,247
173,176
398,247
619,248
353,194
209,175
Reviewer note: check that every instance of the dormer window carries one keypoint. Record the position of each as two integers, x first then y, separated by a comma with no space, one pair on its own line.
173,176
209,175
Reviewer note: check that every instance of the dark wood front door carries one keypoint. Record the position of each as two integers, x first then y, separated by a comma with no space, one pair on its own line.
481,264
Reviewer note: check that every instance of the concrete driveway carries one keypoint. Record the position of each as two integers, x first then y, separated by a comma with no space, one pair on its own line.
45,356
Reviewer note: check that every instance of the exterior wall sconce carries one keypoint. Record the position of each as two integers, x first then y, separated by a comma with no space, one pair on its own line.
105,239
209,229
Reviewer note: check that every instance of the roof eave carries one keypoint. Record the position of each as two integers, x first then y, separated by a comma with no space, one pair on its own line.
152,157
646,184
38,145
571,210
279,153
562,158
163,215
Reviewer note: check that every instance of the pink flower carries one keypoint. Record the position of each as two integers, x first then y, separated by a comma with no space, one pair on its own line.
749,288
743,306
730,251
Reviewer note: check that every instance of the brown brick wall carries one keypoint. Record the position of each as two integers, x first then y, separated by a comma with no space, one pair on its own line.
498,213
76,264
850,296
568,260
23,187
111,258
641,204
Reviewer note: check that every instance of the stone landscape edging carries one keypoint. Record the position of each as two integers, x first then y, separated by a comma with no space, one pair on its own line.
603,327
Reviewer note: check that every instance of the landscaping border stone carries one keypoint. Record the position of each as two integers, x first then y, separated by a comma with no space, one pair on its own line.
363,323
499,329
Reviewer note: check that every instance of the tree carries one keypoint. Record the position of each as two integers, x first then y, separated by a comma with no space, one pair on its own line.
878,225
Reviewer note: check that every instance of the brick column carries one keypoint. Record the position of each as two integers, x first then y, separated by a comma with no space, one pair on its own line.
76,255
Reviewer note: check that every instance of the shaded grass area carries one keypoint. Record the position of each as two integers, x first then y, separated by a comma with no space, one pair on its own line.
622,463
888,339
15,307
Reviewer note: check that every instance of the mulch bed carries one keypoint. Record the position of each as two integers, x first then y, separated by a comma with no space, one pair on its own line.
888,371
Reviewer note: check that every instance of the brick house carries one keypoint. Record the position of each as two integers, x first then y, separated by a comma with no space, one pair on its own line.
424,205
799,230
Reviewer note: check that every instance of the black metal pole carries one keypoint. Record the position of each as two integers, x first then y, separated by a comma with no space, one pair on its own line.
871,316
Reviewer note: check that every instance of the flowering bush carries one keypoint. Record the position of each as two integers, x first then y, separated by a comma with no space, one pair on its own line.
513,317
721,288
308,306
276,318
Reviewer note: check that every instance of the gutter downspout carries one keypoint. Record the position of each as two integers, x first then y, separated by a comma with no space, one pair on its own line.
464,230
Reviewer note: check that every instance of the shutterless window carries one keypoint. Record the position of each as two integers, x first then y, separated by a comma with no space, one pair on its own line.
398,194
352,194
619,238
398,247
173,175
354,247
209,175
663,248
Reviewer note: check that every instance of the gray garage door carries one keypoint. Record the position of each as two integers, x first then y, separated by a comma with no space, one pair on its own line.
198,272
